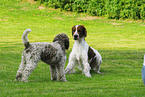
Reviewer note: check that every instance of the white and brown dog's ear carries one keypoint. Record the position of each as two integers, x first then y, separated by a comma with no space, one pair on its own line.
84,30
73,29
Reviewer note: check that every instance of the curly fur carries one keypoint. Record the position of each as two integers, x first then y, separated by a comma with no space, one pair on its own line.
51,53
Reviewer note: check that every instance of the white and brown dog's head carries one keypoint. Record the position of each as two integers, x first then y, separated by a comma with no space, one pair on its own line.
79,31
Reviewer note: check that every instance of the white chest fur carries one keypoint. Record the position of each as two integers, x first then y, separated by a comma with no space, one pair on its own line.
80,49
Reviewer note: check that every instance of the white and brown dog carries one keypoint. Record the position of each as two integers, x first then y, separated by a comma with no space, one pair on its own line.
82,54
51,53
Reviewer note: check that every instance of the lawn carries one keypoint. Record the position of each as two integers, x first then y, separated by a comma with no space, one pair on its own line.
121,44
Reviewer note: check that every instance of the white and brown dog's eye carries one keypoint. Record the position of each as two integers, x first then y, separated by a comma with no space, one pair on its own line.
73,32
79,30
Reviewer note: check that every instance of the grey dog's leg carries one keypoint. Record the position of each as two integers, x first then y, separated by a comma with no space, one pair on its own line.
31,63
61,72
21,67
53,73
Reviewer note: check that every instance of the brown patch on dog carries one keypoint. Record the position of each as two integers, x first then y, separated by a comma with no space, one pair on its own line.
73,30
91,56
91,53
82,31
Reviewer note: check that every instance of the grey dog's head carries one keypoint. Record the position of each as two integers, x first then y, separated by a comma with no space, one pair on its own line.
62,39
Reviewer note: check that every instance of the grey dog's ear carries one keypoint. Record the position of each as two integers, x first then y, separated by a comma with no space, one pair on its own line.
67,43
63,39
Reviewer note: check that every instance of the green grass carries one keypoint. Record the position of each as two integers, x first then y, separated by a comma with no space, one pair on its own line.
121,44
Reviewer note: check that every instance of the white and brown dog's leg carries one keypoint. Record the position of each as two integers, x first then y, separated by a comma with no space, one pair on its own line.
86,65
87,69
97,68
21,68
53,73
70,67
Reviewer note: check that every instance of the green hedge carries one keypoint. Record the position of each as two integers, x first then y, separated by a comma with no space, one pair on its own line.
114,9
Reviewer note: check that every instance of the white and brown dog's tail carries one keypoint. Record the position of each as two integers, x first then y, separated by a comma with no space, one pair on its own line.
25,39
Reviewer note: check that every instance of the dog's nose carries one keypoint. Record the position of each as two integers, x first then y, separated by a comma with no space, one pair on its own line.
75,36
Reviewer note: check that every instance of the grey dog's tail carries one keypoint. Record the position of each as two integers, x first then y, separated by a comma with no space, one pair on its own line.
24,37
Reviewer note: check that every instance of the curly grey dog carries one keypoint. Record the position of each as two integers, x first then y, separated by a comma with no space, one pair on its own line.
51,53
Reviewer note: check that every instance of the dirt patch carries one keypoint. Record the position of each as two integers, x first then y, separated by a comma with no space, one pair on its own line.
116,23
3,20
31,1
68,14
58,18
89,18
142,25
42,7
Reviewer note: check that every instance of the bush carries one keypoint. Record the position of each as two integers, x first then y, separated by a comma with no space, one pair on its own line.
96,7
114,9
142,12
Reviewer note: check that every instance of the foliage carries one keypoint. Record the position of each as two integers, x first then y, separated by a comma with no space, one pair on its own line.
116,9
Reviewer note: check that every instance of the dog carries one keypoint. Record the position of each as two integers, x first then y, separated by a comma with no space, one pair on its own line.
87,57
53,54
